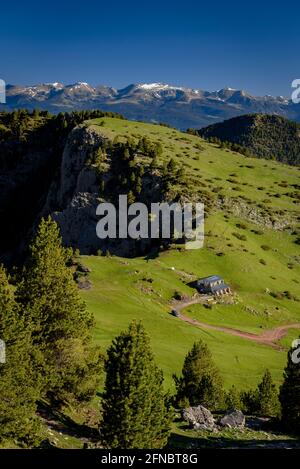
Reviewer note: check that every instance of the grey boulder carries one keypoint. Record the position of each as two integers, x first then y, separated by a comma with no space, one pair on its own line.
233,418
199,418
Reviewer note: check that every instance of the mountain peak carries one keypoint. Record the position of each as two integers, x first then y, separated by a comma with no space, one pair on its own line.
152,86
181,107
56,84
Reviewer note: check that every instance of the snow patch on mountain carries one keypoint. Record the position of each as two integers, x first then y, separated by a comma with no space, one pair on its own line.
153,86
56,84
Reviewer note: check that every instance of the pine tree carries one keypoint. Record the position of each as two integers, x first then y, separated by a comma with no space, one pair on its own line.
62,326
130,198
19,387
154,163
200,382
267,396
135,409
126,154
290,393
158,149
249,400
233,399
181,174
138,185
132,179
171,167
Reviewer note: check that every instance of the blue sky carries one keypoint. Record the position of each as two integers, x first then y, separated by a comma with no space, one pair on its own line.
209,45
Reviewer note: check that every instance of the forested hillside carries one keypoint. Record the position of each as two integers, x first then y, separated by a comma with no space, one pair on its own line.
263,135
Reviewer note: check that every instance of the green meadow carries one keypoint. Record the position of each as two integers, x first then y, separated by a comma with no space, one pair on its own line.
259,263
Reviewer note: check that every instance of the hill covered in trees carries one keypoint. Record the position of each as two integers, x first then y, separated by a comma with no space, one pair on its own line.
31,149
262,135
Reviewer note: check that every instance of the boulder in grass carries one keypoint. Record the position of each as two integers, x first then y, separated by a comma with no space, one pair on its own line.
199,418
84,284
233,418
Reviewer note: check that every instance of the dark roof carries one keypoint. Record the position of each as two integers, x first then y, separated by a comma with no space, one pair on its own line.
211,278
223,286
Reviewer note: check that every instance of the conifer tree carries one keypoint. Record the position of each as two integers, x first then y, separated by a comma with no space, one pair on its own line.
130,198
290,392
61,324
138,185
132,179
249,401
233,399
181,174
19,387
135,409
267,396
200,382
171,167
154,163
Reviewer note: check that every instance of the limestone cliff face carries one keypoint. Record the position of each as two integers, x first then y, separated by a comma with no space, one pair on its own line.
76,176
75,194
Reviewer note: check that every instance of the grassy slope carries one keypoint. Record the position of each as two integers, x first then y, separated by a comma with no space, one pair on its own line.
184,437
212,166
120,293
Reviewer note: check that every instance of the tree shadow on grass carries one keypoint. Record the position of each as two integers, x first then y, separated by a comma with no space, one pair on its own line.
56,420
222,442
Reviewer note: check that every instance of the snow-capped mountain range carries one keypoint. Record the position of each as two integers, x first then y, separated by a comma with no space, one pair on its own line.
153,102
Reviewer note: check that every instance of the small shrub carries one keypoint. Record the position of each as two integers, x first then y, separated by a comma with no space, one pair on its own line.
233,399
239,236
177,295
241,226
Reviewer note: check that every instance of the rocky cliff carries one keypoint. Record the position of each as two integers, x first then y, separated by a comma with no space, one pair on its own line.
74,196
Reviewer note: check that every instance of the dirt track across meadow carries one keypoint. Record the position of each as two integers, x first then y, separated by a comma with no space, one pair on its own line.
268,337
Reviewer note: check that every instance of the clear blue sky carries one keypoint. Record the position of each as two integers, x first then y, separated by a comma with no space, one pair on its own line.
251,45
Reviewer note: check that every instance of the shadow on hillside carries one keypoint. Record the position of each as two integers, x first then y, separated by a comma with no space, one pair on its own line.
152,255
64,424
220,442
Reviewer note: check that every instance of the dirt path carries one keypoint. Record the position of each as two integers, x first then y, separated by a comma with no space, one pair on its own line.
268,337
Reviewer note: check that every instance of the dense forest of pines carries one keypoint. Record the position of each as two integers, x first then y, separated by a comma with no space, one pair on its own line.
22,131
31,149
260,135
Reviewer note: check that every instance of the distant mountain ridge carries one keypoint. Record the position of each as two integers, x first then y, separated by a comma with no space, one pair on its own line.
264,135
178,106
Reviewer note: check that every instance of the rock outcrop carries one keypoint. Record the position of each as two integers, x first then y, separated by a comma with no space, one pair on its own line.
74,196
233,418
199,418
